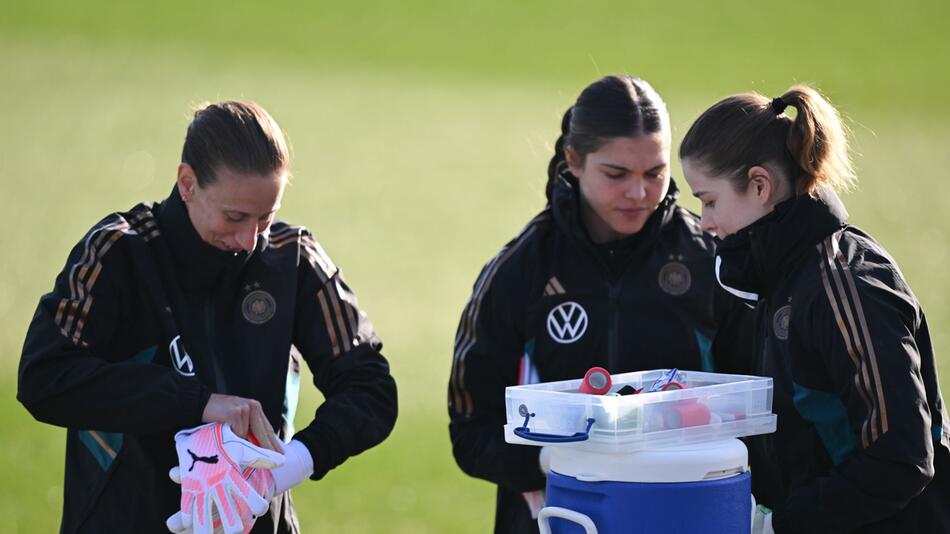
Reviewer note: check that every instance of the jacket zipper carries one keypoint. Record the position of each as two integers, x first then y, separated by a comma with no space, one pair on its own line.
613,326
763,328
613,298
220,385
765,442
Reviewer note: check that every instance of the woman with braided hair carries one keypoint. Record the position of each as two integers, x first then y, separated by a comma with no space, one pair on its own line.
611,273
863,440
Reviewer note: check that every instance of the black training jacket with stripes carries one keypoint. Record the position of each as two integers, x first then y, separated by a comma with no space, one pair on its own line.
146,321
863,435
551,305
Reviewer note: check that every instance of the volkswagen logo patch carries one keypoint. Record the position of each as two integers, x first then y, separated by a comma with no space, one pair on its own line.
780,322
259,307
567,322
675,279
181,360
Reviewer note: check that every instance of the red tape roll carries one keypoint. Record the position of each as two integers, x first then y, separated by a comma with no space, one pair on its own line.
596,381
686,413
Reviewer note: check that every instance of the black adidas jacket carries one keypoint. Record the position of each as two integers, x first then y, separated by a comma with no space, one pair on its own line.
146,321
862,427
553,302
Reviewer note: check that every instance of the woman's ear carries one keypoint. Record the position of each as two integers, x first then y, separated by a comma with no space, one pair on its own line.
763,186
187,181
573,161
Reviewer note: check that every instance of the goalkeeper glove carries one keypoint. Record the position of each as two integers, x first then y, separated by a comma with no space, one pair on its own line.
214,470
266,482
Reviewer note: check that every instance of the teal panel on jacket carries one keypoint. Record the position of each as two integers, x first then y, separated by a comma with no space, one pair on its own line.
705,351
830,417
291,397
104,446
146,356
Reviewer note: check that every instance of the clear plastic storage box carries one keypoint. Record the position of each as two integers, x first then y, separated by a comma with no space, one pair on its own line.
710,406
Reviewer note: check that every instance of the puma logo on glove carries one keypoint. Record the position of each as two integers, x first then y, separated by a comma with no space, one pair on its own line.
206,459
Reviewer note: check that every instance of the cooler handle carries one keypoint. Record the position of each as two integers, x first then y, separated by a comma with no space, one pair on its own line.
525,433
568,515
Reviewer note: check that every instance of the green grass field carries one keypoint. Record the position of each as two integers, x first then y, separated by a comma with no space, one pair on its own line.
421,135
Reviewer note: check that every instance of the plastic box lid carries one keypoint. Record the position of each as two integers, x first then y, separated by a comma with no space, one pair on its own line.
711,406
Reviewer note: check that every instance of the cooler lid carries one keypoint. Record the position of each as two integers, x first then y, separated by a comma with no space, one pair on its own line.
692,462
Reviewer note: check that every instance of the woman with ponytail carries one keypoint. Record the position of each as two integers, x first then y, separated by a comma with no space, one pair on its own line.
863,440
611,273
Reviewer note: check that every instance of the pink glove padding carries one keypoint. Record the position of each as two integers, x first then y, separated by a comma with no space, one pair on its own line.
213,464
260,480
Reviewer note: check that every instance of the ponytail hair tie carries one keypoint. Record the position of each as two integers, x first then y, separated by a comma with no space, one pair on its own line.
778,105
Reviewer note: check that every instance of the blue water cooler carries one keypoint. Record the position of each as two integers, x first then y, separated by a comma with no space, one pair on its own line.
700,488
664,458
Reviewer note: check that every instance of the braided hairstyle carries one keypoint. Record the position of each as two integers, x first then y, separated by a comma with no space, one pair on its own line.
614,106
749,129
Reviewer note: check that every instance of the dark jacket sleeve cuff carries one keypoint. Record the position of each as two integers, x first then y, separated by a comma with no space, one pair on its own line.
194,397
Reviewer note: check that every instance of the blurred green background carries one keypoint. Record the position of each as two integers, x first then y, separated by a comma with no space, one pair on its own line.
421,134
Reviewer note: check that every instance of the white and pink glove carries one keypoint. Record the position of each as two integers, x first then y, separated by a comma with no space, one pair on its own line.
260,479
267,483
223,478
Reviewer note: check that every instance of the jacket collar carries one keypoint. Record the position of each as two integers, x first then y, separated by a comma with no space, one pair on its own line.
197,264
756,259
